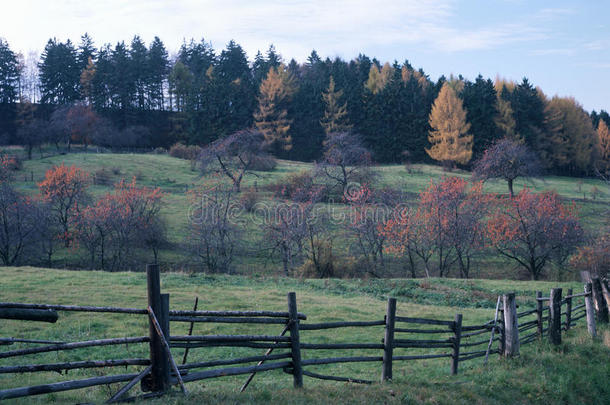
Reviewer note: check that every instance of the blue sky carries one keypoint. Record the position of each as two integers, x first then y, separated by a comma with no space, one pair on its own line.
561,46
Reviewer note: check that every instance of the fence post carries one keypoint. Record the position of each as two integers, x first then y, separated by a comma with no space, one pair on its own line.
568,309
456,343
606,293
293,322
159,380
388,341
539,313
590,311
511,326
601,309
555,316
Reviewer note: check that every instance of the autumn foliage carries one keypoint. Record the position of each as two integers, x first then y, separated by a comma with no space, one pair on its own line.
65,189
532,229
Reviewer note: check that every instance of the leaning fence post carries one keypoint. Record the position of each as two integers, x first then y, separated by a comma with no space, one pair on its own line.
555,316
569,309
539,313
159,380
388,341
457,325
590,310
293,322
601,309
511,326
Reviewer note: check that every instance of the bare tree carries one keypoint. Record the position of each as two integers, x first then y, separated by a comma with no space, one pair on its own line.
345,160
234,156
18,224
507,159
213,235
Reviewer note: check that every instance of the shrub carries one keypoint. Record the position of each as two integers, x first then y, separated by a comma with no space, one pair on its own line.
297,186
248,200
102,177
182,151
323,266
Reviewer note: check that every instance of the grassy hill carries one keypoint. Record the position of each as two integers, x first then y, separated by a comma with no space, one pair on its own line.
175,177
575,372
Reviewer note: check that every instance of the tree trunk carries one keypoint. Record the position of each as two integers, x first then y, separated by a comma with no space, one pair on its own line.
510,187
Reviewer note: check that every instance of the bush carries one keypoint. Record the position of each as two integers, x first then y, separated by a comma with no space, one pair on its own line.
297,187
325,266
248,200
182,151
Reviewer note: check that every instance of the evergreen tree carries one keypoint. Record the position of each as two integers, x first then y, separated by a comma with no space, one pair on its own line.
335,115
528,110
449,135
480,103
100,83
158,69
86,51
121,79
138,57
59,73
271,118
9,74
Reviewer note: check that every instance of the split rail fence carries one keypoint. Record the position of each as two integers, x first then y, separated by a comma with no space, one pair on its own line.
400,340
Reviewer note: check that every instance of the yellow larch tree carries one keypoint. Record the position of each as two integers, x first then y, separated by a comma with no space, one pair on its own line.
335,116
603,138
449,136
271,117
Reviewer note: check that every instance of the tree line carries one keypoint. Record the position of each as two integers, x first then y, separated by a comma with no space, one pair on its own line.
201,95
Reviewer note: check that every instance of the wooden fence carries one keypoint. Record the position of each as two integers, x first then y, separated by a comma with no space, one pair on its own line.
400,340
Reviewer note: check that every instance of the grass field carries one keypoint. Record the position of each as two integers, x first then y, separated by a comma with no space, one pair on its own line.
573,373
176,176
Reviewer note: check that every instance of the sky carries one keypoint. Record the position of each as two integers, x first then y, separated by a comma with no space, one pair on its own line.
561,46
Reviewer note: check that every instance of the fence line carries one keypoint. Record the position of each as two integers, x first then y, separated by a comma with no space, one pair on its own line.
459,342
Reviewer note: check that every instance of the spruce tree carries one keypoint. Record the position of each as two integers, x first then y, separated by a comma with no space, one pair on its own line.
9,74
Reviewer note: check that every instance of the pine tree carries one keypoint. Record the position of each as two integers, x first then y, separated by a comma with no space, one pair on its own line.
158,69
86,51
449,138
480,103
271,118
335,115
138,56
603,137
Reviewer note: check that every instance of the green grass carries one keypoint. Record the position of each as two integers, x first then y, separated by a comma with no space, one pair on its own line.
176,176
572,373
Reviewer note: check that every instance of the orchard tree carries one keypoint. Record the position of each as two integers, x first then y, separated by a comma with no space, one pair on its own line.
19,220
271,118
212,233
506,159
345,160
65,189
234,156
532,228
449,135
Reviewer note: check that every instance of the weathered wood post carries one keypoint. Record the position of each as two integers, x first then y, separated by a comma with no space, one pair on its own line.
539,312
601,309
555,316
511,326
388,341
606,293
569,309
159,380
590,310
501,327
293,322
457,337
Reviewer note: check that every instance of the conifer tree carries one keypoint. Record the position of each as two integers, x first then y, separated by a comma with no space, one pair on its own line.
271,118
9,74
335,116
449,135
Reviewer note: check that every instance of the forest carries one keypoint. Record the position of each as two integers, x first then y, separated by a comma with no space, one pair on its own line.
134,95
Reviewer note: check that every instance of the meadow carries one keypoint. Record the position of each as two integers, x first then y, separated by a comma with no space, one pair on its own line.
574,372
176,177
